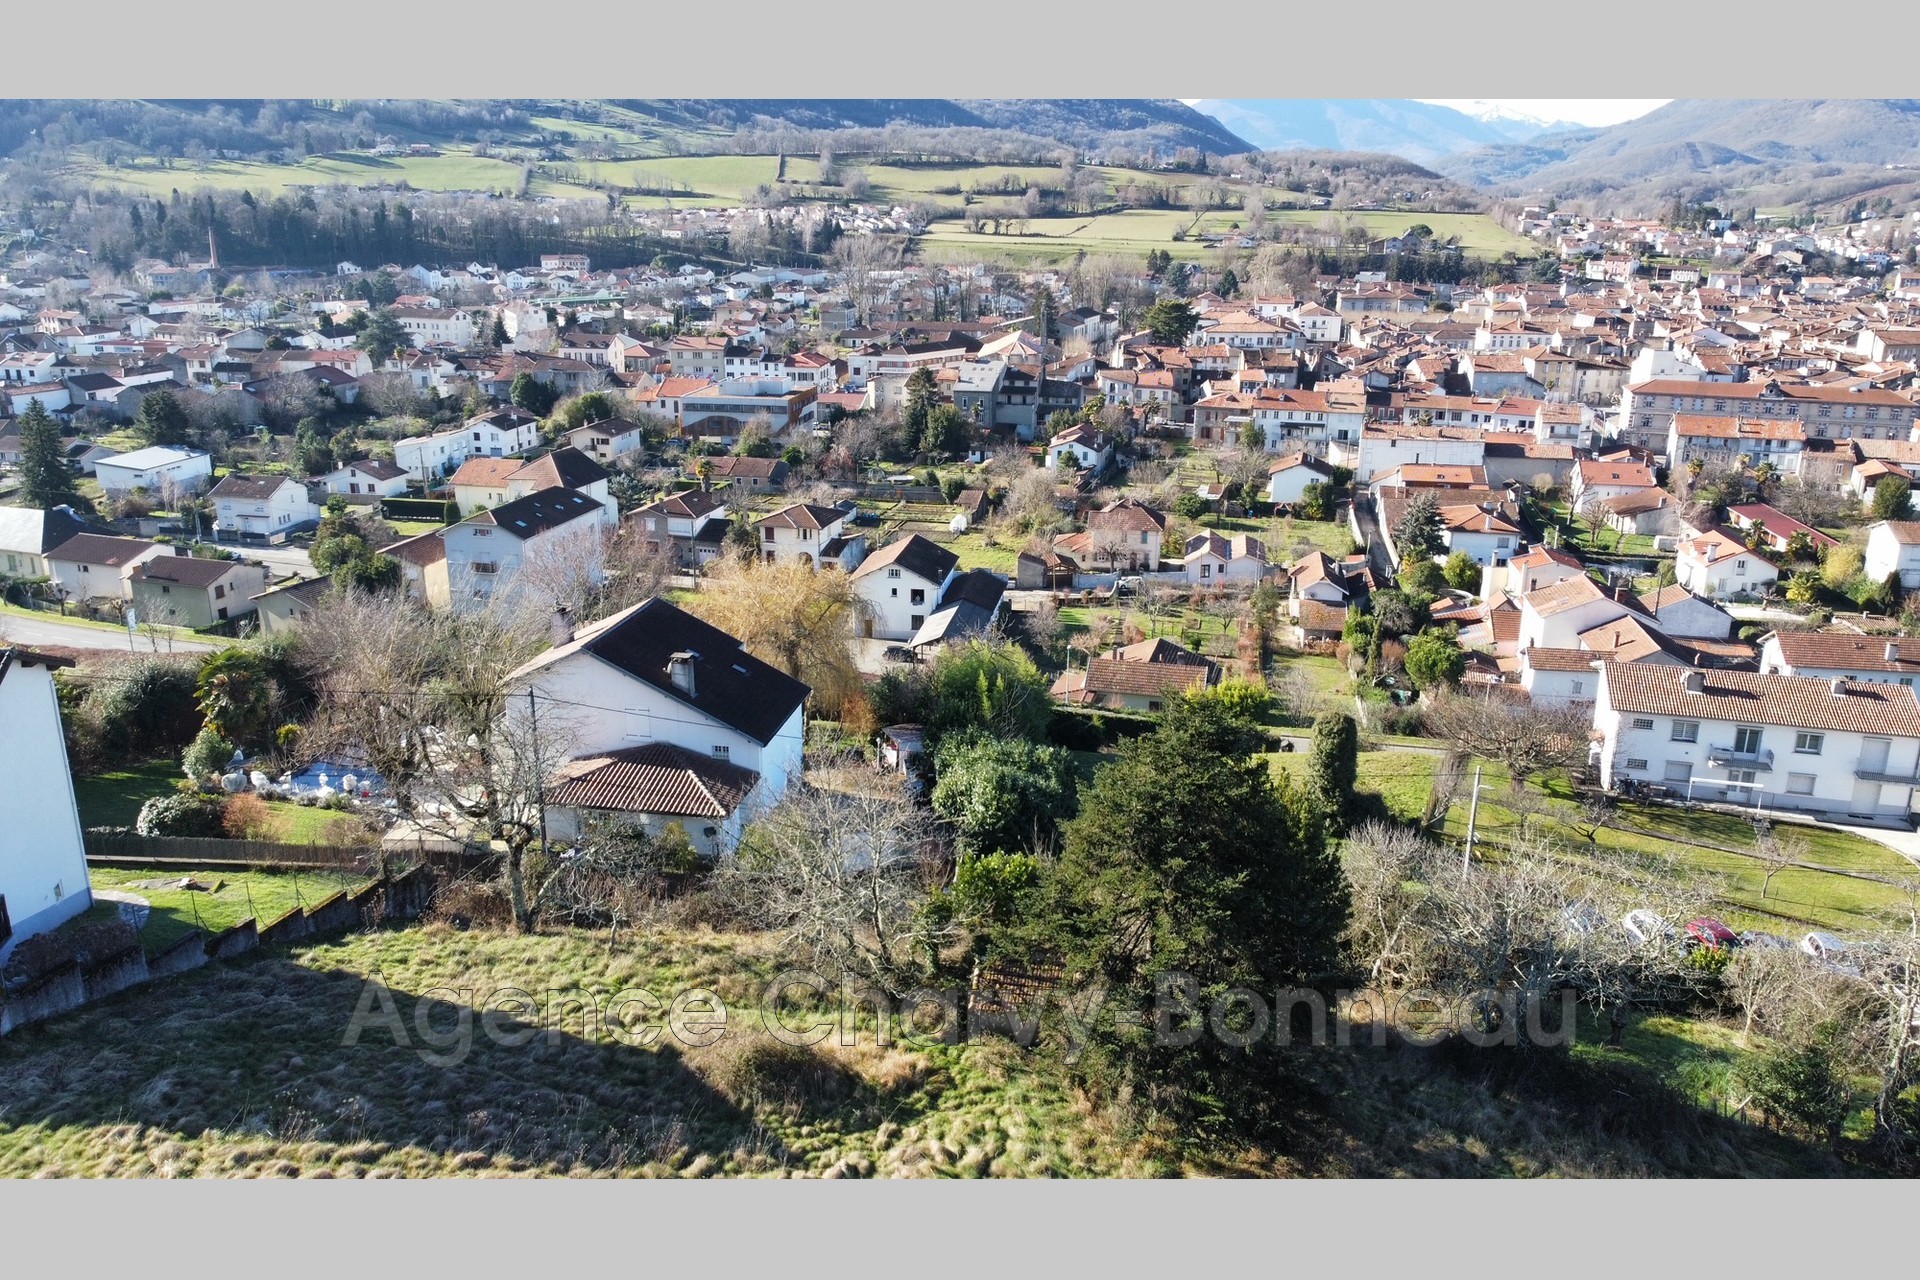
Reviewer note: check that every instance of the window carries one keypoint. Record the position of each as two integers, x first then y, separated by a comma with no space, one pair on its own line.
219,591
485,566
1642,722
893,573
916,596
766,532
1808,744
1679,771
1799,784
1741,777
1740,567
1684,730
1746,740
1579,687
917,620
1636,765
721,752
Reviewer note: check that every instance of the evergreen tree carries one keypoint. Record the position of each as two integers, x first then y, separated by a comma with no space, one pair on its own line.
1417,535
1334,766
381,337
1170,321
45,480
163,420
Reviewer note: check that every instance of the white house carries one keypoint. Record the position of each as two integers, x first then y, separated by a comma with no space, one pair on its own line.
1893,546
693,524
1714,565
1088,446
1211,558
28,535
1679,612
43,864
259,507
501,433
91,566
900,585
608,439
1288,477
1823,655
1597,480
665,719
152,468
1836,747
555,529
435,326
367,476
803,533
1481,531
1556,615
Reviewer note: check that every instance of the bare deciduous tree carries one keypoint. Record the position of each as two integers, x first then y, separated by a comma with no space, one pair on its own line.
1525,738
841,869
799,618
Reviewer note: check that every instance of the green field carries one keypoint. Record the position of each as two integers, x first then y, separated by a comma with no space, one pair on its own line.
228,898
455,170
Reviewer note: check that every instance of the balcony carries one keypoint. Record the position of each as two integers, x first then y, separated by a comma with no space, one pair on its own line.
1728,758
1881,771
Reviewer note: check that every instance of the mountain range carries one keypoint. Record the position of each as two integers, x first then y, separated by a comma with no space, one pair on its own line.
1423,132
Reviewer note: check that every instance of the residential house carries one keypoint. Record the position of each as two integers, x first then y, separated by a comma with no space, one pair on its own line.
802,533
1087,446
1774,529
1650,513
968,607
1755,442
669,721
1893,546
692,525
1211,559
259,508
1865,477
1145,676
1681,614
43,871
1126,536
187,591
566,468
1481,530
28,534
423,568
553,530
1289,476
281,609
1598,480
373,477
1714,565
1824,655
90,567
752,475
900,585
154,469
1840,748
1540,566
608,439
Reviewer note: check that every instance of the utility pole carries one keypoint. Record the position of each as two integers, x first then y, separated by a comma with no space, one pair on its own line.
539,787
1473,815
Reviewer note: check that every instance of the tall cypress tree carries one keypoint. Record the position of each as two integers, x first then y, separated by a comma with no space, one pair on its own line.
44,478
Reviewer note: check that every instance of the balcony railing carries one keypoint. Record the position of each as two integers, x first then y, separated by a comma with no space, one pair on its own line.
1883,772
1728,758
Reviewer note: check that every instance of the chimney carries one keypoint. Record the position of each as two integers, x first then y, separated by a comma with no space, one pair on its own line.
560,625
1694,682
680,670
1893,651
1839,684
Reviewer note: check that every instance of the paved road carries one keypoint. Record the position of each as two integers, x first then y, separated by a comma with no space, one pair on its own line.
281,560
51,631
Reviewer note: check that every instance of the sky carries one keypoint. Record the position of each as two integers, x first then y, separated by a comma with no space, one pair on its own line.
1588,111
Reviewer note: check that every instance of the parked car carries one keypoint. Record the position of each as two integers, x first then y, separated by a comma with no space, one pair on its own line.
1764,941
1705,931
1645,926
897,653
1833,953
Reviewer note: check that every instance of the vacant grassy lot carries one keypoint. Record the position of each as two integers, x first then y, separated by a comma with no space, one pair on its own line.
1392,784
457,169
113,799
244,1070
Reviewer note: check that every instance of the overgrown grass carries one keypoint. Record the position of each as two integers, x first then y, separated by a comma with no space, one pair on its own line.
1392,784
249,1069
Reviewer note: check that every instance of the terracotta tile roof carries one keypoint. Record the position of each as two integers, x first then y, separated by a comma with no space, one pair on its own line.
94,548
804,515
1822,649
656,778
1128,516
1318,616
1794,701
486,472
1541,658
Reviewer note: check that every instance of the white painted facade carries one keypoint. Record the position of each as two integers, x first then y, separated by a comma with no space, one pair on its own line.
43,864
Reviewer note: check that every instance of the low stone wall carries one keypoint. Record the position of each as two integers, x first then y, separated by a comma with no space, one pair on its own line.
405,897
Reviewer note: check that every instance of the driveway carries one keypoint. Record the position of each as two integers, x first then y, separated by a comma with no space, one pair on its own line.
15,629
1901,840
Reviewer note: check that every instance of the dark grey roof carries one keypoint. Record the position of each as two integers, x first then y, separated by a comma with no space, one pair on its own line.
37,531
537,512
255,487
917,555
981,587
730,684
566,468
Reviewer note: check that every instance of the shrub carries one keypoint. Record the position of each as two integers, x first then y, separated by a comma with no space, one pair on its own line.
757,1069
466,903
209,754
144,707
247,817
180,815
